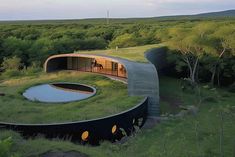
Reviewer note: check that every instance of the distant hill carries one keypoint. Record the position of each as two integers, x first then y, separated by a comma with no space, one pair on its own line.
221,15
210,15
227,13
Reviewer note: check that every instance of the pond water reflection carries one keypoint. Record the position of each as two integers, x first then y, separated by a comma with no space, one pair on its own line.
59,92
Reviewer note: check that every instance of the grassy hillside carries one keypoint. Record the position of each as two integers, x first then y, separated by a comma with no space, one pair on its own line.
208,133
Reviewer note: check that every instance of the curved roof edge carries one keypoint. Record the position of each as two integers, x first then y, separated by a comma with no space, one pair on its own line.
142,78
114,59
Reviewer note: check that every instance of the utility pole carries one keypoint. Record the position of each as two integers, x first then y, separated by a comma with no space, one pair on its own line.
107,20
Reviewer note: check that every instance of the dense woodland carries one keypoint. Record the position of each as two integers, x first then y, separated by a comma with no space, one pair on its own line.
203,51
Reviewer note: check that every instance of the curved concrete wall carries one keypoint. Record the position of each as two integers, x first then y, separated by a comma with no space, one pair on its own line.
99,129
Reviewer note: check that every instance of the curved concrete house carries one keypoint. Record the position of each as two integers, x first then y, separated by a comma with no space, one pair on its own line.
142,78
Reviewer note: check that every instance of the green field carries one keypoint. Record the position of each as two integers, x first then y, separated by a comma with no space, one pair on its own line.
192,135
111,98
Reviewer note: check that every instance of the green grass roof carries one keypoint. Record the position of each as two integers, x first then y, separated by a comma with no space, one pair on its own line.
131,53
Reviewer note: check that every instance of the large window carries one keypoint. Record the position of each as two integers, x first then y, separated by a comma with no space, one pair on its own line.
96,65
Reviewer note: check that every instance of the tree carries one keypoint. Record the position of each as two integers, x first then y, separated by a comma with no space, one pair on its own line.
17,47
180,43
190,42
219,43
93,43
13,63
125,40
40,50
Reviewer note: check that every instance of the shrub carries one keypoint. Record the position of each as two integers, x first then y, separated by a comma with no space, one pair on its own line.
94,43
11,73
125,40
5,147
13,63
232,88
33,69
210,99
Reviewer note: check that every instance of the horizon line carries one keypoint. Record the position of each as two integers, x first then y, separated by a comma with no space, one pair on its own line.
115,18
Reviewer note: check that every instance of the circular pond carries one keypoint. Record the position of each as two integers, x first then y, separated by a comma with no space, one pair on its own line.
59,92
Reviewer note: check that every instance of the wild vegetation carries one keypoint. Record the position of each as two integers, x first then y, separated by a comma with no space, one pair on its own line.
200,51
204,50
205,53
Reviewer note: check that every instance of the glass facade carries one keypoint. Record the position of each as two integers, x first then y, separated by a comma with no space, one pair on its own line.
96,65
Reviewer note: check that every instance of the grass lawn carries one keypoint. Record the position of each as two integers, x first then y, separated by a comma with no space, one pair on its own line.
130,53
111,98
191,136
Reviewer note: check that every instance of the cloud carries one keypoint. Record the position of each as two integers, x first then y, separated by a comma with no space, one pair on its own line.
188,1
43,9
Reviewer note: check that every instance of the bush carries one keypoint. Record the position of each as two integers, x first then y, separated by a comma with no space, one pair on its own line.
210,99
13,63
33,69
5,147
94,43
232,88
125,40
11,73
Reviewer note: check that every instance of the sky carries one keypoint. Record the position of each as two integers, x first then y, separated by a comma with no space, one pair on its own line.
80,9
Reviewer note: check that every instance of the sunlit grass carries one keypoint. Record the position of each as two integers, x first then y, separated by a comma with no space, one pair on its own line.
192,136
111,98
131,53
